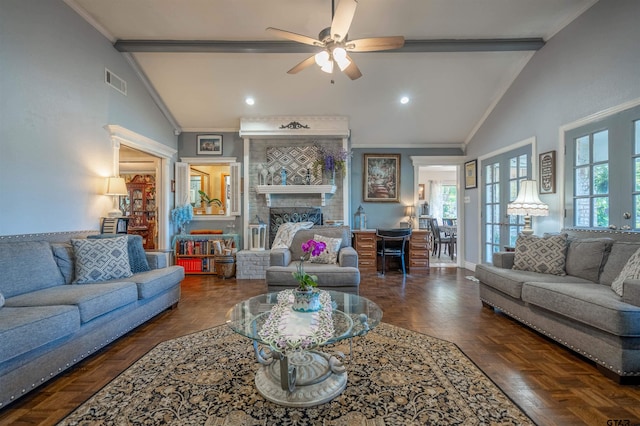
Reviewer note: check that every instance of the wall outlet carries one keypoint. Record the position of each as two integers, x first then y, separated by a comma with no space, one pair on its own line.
467,199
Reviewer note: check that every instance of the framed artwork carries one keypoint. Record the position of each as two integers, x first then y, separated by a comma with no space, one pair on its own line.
421,191
209,145
471,174
547,172
381,178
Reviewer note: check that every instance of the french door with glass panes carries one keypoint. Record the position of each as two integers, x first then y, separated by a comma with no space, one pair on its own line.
500,182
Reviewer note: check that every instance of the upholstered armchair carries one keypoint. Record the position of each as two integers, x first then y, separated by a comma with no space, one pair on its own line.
343,275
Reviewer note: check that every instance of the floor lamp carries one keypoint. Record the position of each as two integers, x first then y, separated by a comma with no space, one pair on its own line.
528,204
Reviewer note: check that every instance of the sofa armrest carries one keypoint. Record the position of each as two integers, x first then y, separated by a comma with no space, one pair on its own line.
503,259
156,259
280,257
348,256
631,292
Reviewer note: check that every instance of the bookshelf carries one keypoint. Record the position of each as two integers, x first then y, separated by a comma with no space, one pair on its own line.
197,253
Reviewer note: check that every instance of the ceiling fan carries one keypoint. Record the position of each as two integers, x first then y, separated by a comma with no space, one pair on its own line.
335,45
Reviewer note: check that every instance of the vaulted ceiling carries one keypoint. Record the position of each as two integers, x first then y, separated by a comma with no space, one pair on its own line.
203,58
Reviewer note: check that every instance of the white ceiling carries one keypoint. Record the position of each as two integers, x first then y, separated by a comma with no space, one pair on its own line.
451,92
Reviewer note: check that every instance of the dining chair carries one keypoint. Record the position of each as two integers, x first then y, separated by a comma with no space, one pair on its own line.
440,239
392,243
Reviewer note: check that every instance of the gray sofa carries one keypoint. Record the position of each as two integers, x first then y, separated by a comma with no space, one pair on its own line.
580,309
343,276
48,323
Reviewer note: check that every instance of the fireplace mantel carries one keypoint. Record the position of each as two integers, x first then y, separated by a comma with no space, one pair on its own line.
268,190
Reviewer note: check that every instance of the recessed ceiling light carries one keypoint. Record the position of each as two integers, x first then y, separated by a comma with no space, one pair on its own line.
404,100
250,101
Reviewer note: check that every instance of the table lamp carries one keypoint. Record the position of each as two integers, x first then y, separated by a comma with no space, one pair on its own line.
528,204
411,212
116,187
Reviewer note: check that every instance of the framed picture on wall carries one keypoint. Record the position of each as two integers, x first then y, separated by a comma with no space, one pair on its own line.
381,178
421,191
471,174
547,172
209,145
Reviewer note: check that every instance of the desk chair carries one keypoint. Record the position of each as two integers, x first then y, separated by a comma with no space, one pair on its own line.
392,243
439,238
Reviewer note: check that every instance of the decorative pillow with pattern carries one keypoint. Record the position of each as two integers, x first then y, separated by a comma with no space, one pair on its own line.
330,254
286,232
101,259
631,270
546,255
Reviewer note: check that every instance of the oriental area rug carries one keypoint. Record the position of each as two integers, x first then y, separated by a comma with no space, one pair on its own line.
395,377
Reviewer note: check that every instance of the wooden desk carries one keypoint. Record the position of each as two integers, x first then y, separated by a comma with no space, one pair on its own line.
365,242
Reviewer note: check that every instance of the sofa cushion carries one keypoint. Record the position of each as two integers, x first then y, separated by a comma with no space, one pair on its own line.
286,232
30,328
63,254
618,257
101,260
92,300
328,275
541,254
510,281
586,257
592,304
304,235
156,281
137,256
1,300
330,254
631,270
27,266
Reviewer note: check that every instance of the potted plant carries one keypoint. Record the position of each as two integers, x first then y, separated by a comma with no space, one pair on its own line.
306,296
208,201
330,161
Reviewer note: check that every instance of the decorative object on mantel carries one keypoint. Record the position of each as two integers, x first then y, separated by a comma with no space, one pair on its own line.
306,298
283,176
295,159
331,160
181,216
528,204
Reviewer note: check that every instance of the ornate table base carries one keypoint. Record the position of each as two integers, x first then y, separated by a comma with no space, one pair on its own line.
301,379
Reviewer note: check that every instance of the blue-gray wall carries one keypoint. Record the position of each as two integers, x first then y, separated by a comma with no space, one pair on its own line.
54,151
591,65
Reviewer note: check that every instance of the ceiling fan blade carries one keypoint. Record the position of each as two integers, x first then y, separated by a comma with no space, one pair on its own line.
375,43
302,65
352,71
342,19
294,37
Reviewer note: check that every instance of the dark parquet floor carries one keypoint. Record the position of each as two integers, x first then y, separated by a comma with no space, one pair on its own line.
551,384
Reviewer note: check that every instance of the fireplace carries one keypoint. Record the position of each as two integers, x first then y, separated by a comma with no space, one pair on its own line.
280,215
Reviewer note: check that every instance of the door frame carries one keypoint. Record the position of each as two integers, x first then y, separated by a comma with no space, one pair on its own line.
458,161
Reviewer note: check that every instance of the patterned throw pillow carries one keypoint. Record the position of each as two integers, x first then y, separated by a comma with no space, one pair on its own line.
631,270
101,259
330,254
546,255
286,232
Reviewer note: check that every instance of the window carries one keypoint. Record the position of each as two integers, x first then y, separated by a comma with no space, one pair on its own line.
602,166
449,202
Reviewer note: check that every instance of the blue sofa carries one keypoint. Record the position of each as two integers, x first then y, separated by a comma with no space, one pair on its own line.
49,323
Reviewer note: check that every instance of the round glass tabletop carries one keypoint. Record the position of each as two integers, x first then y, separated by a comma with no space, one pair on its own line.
351,315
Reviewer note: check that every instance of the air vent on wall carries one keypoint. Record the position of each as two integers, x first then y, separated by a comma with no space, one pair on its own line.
114,81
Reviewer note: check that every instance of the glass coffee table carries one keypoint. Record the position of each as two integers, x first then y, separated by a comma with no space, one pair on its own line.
294,372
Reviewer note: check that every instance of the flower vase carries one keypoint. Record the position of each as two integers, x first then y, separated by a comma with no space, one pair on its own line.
306,301
330,176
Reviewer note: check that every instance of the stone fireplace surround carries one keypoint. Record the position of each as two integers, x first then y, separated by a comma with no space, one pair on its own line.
262,133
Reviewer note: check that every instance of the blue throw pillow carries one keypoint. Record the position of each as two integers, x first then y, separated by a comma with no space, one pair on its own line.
137,257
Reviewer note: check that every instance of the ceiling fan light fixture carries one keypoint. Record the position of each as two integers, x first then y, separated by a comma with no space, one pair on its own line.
328,67
340,56
322,58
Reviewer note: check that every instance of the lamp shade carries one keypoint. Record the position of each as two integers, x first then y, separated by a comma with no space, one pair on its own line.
527,203
409,211
116,186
